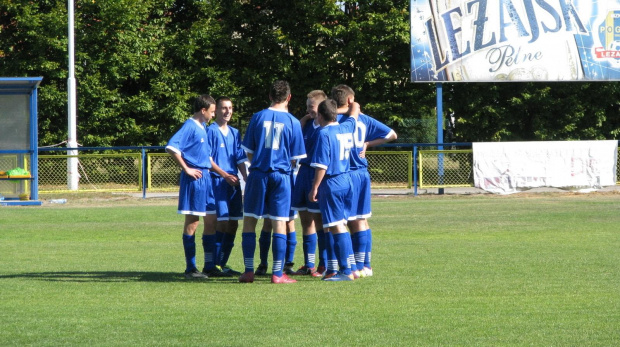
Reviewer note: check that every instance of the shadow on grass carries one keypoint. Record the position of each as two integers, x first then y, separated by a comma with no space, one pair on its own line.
113,276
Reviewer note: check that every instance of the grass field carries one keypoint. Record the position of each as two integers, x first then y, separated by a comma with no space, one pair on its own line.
537,269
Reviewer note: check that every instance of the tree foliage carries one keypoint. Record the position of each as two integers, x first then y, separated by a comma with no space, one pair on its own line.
140,63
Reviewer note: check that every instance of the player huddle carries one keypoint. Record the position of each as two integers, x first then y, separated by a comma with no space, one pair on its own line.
331,190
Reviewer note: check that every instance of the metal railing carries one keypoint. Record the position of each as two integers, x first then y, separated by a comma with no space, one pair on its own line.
406,166
135,169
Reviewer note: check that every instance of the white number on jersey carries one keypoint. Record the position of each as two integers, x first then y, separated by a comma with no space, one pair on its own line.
345,142
273,134
360,134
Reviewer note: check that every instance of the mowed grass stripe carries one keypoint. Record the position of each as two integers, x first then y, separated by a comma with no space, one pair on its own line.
449,270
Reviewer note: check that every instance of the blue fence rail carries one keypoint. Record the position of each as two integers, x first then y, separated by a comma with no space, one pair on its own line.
144,150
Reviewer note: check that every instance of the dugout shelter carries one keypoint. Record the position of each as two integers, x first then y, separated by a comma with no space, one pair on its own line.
19,141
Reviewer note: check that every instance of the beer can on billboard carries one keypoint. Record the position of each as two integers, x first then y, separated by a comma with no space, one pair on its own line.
514,40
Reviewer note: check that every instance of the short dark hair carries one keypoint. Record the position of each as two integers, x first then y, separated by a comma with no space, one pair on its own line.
203,101
328,110
221,99
279,91
341,93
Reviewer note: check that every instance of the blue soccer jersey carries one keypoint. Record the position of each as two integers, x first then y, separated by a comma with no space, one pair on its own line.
333,148
310,132
192,144
226,153
332,152
366,129
226,148
274,138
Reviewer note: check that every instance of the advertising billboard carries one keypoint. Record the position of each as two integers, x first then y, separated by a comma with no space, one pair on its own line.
515,40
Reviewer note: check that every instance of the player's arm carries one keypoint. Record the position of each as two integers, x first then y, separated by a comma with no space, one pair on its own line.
176,156
376,142
250,155
354,110
244,170
347,109
230,179
319,173
304,120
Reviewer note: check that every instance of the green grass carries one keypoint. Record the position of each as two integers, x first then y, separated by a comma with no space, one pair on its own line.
478,270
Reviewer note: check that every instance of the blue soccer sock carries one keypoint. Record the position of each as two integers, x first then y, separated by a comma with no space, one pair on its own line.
189,246
264,242
343,248
279,252
217,254
359,240
332,261
351,258
368,248
320,239
208,244
309,250
291,245
227,245
248,245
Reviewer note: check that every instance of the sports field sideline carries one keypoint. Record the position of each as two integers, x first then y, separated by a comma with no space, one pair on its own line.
484,270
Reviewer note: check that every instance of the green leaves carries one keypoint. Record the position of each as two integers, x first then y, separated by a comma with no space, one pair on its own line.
139,64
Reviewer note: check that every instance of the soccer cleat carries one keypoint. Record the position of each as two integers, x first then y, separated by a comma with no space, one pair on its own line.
339,277
195,275
261,270
321,270
356,274
247,277
282,279
227,269
215,272
288,269
304,271
367,271
328,275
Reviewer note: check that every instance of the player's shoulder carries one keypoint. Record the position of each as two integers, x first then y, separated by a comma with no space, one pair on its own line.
286,115
323,131
193,125
366,118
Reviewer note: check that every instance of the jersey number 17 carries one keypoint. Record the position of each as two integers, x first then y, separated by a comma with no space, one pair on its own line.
273,134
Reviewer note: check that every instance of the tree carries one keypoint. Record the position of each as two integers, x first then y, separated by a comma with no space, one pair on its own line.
139,65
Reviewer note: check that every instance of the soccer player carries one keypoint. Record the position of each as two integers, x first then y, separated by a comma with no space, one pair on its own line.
227,153
368,133
273,141
189,148
309,212
332,186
